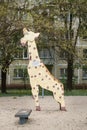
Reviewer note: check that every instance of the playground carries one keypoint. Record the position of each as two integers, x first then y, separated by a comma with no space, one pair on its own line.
49,118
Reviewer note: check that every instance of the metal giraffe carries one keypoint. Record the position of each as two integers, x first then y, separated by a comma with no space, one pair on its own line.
39,74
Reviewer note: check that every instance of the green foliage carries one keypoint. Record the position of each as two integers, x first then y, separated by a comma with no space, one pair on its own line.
11,23
49,12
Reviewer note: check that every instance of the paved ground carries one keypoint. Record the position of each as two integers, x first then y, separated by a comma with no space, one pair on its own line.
50,118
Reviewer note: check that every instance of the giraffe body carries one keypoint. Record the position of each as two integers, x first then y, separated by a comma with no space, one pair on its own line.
39,74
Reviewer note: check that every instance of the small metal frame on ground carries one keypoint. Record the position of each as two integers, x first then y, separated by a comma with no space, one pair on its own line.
23,115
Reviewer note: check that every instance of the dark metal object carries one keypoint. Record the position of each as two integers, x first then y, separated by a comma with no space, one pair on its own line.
23,115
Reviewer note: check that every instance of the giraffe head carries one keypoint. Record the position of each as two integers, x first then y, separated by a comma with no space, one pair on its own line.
29,36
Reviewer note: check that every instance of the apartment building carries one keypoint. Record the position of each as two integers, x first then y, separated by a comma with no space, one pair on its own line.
17,72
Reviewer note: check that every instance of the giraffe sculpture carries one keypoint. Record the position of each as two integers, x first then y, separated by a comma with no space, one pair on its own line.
39,74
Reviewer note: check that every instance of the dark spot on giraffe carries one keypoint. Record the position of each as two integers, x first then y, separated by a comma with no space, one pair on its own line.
35,76
34,48
31,76
29,67
56,84
30,57
33,87
42,79
63,94
54,93
29,45
47,87
49,78
39,73
35,67
58,88
46,70
36,57
35,95
61,85
53,86
60,97
46,75
36,100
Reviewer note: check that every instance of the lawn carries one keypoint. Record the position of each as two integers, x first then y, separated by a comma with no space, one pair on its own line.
23,92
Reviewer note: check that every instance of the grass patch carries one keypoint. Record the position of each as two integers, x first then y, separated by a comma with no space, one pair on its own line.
79,92
16,92
23,92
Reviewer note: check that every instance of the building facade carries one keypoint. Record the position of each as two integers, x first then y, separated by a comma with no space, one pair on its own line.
17,72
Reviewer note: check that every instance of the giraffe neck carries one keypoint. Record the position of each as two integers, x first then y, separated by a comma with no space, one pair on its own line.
33,52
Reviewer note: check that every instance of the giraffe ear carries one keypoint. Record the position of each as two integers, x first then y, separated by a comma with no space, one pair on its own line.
37,35
25,31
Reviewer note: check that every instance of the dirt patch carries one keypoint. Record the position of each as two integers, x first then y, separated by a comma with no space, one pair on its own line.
49,118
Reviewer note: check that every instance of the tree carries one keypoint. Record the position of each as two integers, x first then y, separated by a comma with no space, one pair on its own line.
25,77
11,23
61,23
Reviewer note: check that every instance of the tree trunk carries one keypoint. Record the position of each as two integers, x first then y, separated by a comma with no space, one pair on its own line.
3,81
70,74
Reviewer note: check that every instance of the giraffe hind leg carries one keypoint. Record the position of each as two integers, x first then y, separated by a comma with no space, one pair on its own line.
59,97
61,102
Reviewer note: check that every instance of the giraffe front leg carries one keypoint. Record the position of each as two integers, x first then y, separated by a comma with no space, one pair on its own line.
35,92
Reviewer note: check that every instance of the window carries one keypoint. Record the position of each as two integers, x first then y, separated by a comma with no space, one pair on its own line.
84,73
85,53
22,54
46,53
19,55
20,73
63,72
63,55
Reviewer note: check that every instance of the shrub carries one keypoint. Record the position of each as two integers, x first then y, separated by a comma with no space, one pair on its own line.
80,86
18,86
